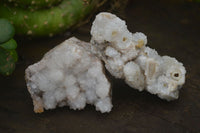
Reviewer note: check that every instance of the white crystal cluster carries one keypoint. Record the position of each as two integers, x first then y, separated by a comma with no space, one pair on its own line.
68,75
72,73
126,56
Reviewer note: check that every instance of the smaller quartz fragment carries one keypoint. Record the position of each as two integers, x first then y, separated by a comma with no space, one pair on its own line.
127,57
164,75
69,74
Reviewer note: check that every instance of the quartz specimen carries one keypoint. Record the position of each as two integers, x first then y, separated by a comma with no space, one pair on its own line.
69,74
126,56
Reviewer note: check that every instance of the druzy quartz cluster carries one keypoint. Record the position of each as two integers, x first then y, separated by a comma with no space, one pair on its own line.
127,57
72,73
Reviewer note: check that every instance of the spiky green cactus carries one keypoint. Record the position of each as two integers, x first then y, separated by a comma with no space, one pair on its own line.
50,21
36,4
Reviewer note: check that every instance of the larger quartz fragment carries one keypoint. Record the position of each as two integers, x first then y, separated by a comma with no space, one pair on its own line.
127,57
69,75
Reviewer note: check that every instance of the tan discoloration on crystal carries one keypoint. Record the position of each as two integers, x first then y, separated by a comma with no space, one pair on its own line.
140,44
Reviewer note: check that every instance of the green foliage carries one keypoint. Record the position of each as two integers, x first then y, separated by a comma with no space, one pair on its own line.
8,55
9,45
7,30
7,61
34,4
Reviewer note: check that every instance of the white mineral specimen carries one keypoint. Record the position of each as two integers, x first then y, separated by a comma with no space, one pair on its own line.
164,75
114,43
69,75
126,56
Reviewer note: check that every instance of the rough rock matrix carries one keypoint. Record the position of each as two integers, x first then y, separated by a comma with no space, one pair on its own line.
68,75
126,56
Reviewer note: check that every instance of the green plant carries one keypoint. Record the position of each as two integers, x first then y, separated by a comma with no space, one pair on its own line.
47,21
34,4
8,54
7,30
